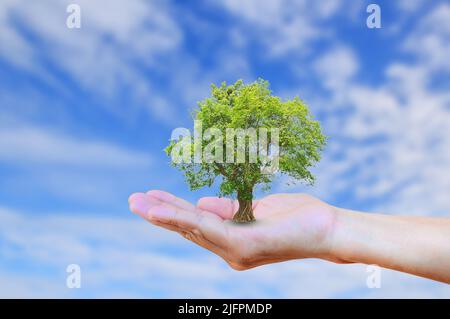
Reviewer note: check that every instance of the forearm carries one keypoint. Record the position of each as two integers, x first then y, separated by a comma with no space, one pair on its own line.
420,246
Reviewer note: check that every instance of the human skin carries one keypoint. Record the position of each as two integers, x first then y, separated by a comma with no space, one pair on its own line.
296,226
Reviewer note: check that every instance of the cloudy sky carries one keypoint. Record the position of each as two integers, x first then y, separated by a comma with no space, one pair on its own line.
85,114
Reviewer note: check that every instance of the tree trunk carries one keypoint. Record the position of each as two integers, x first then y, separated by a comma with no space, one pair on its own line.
245,212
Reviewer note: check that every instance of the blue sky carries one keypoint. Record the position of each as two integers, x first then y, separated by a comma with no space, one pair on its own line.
85,114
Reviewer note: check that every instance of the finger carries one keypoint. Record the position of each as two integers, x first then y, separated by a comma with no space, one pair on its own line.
180,216
170,198
190,219
223,207
140,203
199,222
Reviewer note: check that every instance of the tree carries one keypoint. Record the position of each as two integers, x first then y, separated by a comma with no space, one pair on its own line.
262,135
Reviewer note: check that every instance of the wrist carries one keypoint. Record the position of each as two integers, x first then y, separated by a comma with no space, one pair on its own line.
354,236
338,241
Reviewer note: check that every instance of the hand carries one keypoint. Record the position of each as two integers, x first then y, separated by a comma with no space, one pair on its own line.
288,226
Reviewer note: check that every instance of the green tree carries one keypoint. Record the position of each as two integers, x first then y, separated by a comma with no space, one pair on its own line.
294,141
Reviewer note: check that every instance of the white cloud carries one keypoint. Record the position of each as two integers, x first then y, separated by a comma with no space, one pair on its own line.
414,119
430,40
31,145
284,25
101,55
50,163
17,51
409,6
337,67
117,54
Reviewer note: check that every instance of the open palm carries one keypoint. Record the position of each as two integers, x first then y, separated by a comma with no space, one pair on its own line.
288,226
